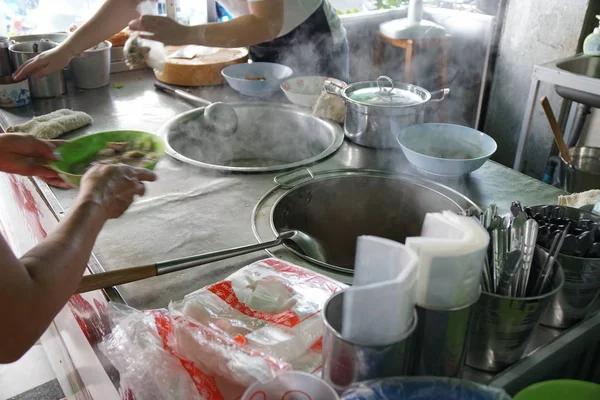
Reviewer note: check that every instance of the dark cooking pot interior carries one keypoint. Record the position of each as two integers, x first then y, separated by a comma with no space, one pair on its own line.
337,210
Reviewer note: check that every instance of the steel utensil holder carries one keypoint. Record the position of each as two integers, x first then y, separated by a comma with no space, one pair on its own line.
503,326
577,299
440,340
346,363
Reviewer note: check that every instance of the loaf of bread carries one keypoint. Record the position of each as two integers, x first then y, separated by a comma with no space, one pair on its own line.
202,70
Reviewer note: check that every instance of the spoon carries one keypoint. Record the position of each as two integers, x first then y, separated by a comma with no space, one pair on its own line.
558,136
218,117
306,243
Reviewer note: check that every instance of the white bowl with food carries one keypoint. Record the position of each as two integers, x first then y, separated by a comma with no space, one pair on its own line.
256,79
446,149
305,90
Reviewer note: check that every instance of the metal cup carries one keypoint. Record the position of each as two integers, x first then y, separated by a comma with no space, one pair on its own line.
440,340
503,326
583,172
577,299
51,85
6,68
345,362
91,68
578,296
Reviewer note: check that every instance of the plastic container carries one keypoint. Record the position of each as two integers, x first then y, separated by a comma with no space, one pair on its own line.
423,388
14,94
560,389
291,385
591,45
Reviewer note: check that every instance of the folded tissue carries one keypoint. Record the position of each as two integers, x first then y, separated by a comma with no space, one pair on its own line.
451,251
378,308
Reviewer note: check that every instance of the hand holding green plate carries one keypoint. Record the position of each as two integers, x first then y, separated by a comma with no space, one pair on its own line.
86,148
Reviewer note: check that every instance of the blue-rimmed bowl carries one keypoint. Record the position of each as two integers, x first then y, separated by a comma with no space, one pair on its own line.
237,76
446,149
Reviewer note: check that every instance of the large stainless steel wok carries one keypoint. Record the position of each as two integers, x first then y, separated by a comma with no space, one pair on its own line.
336,207
270,137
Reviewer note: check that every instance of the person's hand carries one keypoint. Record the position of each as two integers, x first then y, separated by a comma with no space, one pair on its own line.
114,187
165,30
26,155
49,61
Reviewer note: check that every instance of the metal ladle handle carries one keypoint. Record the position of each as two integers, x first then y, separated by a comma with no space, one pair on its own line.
121,276
181,94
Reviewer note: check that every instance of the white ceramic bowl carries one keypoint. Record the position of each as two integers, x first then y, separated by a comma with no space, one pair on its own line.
305,90
446,149
14,94
273,73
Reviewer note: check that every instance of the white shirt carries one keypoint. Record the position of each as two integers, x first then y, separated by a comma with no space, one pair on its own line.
295,13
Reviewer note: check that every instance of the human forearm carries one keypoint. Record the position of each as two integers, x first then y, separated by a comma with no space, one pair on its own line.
52,271
244,31
111,18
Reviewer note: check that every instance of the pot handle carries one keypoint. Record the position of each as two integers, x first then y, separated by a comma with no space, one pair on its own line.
292,179
439,95
333,88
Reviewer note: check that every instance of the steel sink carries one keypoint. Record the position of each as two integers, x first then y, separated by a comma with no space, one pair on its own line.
580,65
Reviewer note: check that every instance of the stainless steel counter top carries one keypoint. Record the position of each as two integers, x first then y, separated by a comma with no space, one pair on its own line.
191,210
220,204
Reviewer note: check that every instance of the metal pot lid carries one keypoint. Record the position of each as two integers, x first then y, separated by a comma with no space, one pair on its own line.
270,137
385,93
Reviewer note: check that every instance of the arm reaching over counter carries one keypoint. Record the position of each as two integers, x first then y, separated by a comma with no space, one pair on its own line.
305,35
263,23
110,19
35,287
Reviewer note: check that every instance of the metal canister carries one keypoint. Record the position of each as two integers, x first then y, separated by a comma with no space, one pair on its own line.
583,173
502,326
440,340
578,296
51,85
91,68
577,299
6,67
345,362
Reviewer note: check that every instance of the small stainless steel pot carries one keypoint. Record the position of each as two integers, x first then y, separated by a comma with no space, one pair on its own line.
6,67
51,85
376,111
91,68
584,171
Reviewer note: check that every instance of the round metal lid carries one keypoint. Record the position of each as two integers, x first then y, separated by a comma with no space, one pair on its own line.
385,93
270,137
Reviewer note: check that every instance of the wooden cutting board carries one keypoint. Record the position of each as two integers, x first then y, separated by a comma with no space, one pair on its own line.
202,70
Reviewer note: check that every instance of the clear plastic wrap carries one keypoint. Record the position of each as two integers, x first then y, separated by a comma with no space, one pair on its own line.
138,347
426,388
138,51
262,320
